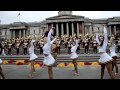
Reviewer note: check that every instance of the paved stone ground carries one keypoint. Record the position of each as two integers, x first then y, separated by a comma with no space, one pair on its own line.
22,71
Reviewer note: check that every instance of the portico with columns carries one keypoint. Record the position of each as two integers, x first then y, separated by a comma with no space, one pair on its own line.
66,24
18,31
114,26
114,29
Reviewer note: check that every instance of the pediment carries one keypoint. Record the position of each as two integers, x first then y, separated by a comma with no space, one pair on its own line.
64,17
16,24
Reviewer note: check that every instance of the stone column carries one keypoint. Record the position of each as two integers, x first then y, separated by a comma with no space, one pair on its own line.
57,32
14,34
72,29
67,27
24,33
90,30
6,34
62,29
115,30
19,33
47,27
11,34
86,29
78,29
40,32
83,28
110,30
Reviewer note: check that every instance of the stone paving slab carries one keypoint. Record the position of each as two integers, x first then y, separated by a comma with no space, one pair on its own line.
22,71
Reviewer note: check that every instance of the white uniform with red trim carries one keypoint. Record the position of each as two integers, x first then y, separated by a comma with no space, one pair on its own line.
104,58
48,60
73,51
31,51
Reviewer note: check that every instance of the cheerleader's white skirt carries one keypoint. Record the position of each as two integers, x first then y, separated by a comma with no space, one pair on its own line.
0,61
105,58
74,55
33,56
49,60
112,54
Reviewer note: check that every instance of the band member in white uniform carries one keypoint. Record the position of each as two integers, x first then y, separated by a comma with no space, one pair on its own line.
54,53
74,56
9,47
17,46
48,58
3,49
94,46
113,54
58,46
41,44
25,46
86,46
105,59
3,52
69,46
33,56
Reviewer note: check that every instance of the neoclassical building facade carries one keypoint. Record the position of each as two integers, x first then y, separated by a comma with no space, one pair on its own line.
65,23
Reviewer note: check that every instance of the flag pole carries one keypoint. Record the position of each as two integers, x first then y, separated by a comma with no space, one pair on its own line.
19,17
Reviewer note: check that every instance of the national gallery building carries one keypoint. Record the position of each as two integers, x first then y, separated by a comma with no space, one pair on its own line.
65,23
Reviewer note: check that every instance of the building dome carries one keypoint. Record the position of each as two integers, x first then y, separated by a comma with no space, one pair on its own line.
64,12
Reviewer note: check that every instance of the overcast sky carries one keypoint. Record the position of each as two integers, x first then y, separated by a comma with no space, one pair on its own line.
7,17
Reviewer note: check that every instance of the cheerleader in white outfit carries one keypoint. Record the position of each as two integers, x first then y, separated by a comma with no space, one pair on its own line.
74,56
105,59
112,47
48,58
33,56
1,72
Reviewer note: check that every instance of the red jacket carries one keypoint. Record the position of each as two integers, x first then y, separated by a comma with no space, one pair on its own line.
55,50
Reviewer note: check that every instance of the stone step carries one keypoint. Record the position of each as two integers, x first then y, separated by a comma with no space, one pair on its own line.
60,58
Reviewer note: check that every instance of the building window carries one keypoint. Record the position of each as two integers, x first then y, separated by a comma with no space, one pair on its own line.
92,29
39,31
5,33
98,28
0,33
34,31
28,31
